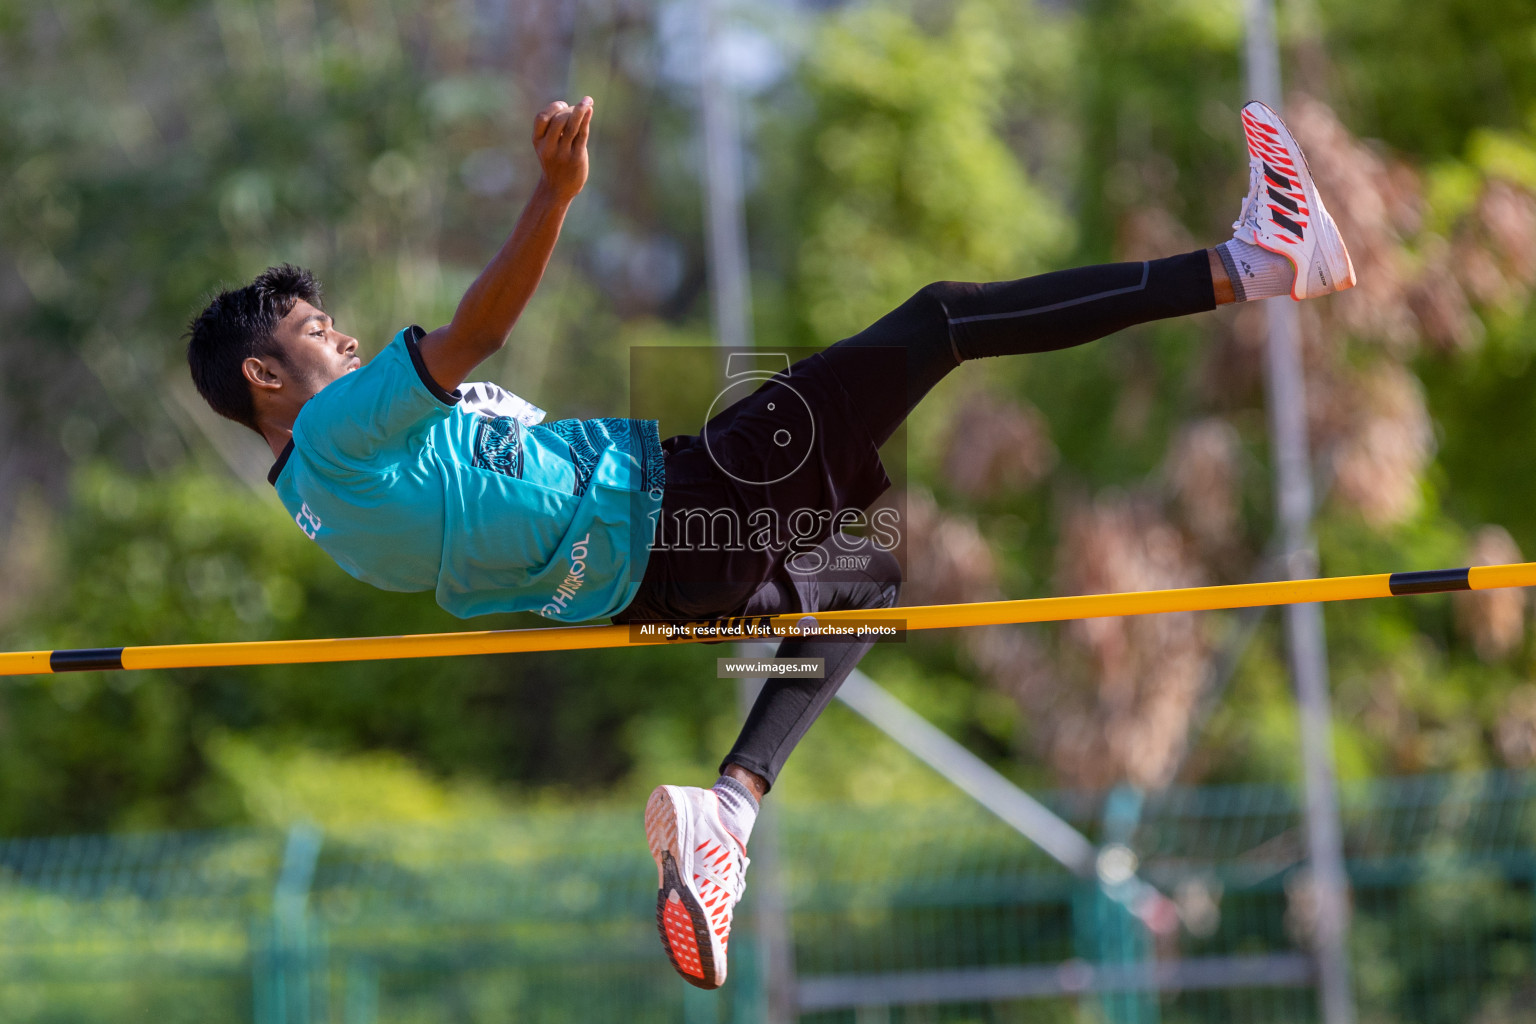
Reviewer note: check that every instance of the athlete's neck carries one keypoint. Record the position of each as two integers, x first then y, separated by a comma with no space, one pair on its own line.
276,432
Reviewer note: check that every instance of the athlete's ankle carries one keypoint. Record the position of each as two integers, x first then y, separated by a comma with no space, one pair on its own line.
738,808
1252,272
1221,281
756,785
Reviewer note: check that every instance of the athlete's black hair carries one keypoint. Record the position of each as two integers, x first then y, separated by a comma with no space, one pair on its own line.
236,325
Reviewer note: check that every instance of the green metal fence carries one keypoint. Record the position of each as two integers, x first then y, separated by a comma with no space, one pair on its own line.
920,913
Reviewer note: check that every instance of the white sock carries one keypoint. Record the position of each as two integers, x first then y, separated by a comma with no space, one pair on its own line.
1255,273
738,809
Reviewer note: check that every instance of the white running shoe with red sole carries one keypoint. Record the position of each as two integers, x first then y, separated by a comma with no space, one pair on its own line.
701,873
1283,212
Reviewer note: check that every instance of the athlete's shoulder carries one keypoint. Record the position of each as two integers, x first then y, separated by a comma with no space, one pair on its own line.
377,407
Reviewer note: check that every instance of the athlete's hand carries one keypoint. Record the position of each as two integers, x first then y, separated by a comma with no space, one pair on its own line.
560,139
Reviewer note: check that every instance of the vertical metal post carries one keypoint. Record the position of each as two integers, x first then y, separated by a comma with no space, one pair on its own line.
731,303
1123,941
287,954
775,952
730,288
1286,395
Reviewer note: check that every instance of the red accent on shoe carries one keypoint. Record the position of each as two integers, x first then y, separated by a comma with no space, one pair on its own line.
681,942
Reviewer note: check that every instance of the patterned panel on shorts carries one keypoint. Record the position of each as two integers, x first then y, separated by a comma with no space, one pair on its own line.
499,445
583,453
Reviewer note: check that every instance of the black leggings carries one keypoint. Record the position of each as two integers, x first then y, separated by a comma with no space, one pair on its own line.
941,326
949,322
785,708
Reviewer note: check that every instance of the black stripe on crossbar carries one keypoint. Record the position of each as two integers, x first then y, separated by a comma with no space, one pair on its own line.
1433,581
86,659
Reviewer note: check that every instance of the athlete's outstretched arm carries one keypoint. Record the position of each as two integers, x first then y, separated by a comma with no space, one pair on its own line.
494,302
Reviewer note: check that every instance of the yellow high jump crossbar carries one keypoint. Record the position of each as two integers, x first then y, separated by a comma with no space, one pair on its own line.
942,616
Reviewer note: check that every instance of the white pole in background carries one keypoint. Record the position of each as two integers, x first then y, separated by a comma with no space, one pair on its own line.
1307,653
730,287
730,291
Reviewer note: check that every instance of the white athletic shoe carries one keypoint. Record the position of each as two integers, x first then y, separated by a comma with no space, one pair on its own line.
1283,212
701,873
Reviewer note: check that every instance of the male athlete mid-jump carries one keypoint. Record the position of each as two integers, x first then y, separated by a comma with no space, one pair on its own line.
412,479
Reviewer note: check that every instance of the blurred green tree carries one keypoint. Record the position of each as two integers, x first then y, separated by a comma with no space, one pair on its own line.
157,151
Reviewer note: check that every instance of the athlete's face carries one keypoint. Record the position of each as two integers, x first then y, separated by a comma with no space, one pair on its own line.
314,351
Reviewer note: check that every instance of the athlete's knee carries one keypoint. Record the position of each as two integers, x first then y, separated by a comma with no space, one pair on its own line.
939,302
937,298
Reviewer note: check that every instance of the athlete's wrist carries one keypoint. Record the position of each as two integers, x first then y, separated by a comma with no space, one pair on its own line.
555,194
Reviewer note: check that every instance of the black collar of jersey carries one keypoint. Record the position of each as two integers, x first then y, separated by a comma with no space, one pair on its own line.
282,460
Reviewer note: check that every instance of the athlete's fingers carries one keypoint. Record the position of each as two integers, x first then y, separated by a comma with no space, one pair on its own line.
557,127
542,120
578,114
583,126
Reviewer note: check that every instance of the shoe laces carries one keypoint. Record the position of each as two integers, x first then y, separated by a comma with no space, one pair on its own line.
724,865
1246,216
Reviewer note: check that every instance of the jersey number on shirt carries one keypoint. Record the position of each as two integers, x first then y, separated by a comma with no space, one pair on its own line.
308,522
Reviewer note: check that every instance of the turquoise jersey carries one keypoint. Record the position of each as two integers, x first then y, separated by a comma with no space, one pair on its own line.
469,494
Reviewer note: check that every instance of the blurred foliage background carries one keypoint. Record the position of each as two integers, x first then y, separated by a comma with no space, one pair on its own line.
156,151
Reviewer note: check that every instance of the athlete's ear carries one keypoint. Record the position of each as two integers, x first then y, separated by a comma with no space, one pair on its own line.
259,374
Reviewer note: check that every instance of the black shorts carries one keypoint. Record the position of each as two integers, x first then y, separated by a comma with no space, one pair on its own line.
769,478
